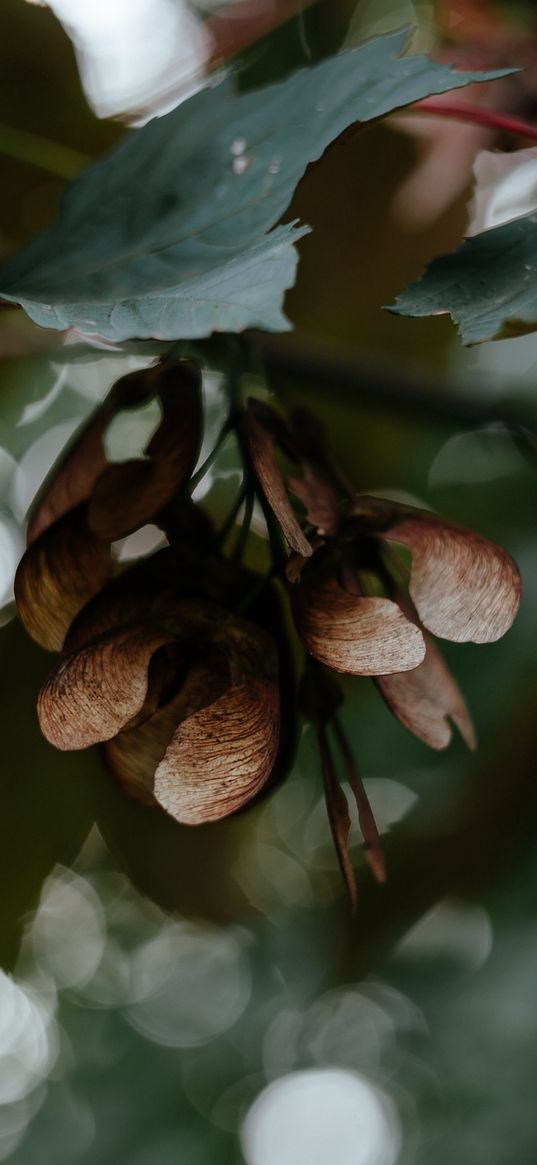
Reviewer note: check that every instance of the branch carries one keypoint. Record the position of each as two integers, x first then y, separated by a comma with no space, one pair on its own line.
424,397
35,150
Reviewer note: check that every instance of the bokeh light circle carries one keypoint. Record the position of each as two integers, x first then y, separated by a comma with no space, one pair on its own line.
321,1117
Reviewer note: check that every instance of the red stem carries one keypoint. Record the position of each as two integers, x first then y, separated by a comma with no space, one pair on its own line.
438,107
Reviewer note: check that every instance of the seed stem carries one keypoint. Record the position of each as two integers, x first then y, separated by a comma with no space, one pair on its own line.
244,531
232,516
206,465
367,821
237,421
338,812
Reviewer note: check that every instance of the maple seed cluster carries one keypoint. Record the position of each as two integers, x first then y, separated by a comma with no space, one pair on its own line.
180,665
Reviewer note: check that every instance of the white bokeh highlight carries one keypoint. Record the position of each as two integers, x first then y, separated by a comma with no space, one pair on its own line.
28,1044
11,548
68,932
476,456
505,188
131,430
189,984
135,55
458,931
36,463
321,1117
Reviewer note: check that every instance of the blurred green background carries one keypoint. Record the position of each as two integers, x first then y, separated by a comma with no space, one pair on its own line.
179,997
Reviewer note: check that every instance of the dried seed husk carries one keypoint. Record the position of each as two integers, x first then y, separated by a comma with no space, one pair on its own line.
134,754
129,494
355,634
319,500
220,758
464,587
262,445
427,699
60,571
74,476
95,693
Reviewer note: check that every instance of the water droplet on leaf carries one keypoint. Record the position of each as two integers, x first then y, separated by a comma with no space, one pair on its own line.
240,164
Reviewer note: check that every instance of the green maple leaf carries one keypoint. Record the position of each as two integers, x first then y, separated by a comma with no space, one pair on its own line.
171,236
488,286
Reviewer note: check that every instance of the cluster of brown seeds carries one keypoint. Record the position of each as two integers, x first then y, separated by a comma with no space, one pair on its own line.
180,665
